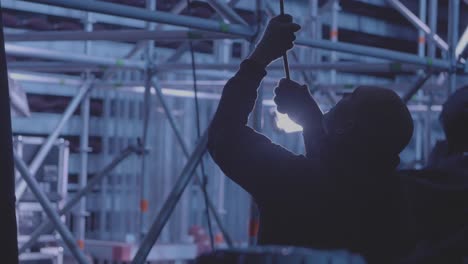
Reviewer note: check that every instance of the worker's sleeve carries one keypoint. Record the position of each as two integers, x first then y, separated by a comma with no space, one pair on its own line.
314,136
245,156
313,130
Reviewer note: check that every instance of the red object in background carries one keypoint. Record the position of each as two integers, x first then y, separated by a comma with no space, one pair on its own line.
253,228
219,239
196,230
201,238
144,205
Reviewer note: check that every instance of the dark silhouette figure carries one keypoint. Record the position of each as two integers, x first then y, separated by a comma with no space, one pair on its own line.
439,194
453,151
450,157
341,195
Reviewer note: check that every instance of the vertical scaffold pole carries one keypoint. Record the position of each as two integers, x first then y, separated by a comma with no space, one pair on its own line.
8,239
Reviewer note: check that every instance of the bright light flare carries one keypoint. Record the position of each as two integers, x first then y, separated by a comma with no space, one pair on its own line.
462,43
284,123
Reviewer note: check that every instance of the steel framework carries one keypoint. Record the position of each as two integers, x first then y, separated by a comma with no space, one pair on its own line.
232,27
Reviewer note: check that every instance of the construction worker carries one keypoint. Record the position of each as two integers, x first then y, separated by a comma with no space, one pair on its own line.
453,151
339,196
442,213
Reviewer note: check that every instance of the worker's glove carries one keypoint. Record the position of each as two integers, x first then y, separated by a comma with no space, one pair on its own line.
277,39
295,100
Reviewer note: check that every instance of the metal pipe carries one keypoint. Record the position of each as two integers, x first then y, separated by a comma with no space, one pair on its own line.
227,12
186,45
178,87
433,5
108,148
47,54
49,210
313,8
171,201
419,133
223,55
334,36
421,34
118,35
8,228
428,131
80,215
54,66
417,85
83,177
420,81
418,23
69,111
354,67
217,218
45,148
237,30
454,19
170,118
357,67
186,153
151,16
178,8
47,226
375,52
462,43
145,188
48,144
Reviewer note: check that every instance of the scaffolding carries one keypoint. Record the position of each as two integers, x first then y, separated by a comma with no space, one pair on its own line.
98,73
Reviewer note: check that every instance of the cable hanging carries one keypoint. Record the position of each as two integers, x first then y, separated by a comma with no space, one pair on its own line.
204,182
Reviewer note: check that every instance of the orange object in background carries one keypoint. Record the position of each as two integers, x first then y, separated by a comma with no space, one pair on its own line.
144,205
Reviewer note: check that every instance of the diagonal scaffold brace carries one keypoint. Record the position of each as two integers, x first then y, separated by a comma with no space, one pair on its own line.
66,235
46,226
416,86
171,202
186,153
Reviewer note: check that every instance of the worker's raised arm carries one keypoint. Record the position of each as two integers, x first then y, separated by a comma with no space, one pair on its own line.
295,100
240,91
244,155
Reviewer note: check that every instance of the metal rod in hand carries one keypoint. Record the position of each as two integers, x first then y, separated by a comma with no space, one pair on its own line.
46,226
50,211
285,56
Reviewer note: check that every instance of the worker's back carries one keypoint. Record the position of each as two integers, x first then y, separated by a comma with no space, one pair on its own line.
356,208
437,202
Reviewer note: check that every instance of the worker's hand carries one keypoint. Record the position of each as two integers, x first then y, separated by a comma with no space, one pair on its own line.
295,100
277,39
